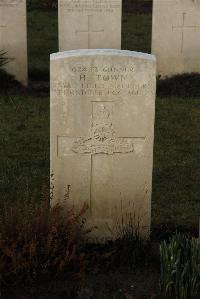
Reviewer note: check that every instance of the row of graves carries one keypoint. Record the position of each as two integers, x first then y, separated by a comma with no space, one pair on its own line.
103,101
96,24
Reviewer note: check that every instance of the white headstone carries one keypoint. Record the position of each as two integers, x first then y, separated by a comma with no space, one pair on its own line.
176,36
13,37
102,129
89,24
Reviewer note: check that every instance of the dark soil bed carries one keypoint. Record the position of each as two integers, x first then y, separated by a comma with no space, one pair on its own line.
142,283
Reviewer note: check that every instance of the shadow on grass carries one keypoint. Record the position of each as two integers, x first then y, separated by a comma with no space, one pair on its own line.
186,85
36,75
138,6
7,81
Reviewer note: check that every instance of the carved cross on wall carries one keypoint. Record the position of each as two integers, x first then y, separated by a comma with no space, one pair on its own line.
102,138
182,27
89,31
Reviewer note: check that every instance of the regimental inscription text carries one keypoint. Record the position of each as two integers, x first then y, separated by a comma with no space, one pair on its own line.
109,80
90,6
10,3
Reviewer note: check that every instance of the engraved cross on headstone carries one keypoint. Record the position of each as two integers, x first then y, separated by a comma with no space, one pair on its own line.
102,138
183,27
89,31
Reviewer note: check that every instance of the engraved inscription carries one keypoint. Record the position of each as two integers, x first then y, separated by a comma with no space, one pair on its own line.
7,3
2,27
90,6
109,81
102,137
183,27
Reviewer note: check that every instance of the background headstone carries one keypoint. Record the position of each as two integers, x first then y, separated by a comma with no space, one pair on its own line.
89,24
13,37
176,36
102,128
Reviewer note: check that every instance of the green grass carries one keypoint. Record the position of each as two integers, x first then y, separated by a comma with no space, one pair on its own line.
24,130
42,41
176,162
24,151
136,32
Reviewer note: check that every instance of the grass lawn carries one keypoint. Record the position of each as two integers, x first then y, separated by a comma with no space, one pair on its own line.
175,197
24,130
24,152
42,41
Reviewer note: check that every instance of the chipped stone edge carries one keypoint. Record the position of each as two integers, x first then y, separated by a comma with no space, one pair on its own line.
103,52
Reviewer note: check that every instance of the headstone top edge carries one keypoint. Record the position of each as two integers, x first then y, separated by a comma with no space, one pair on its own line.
103,52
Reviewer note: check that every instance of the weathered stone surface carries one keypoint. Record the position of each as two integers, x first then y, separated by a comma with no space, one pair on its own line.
176,36
13,37
102,128
89,24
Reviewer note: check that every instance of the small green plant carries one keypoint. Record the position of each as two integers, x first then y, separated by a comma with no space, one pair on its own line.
180,268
